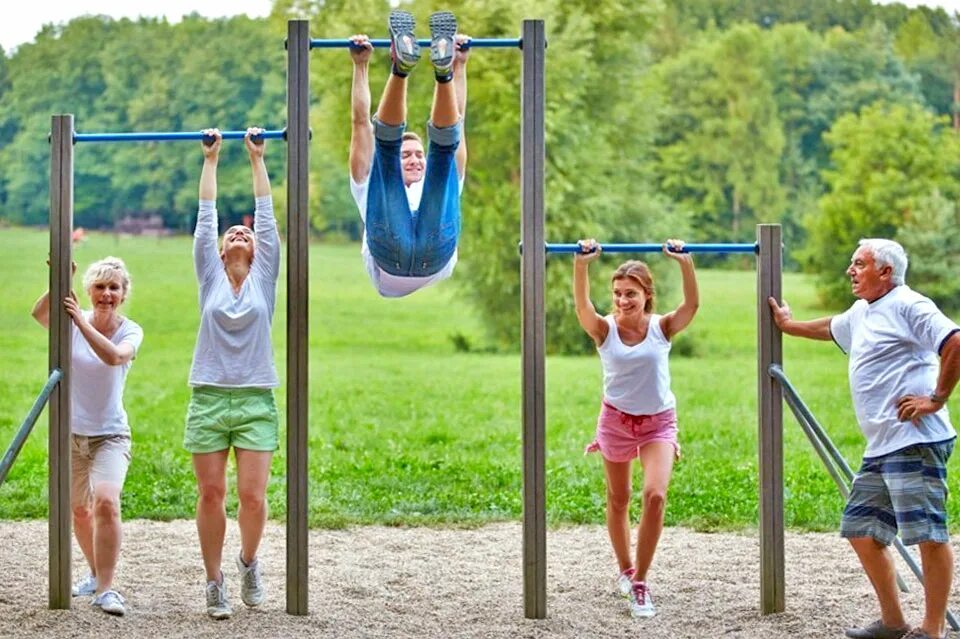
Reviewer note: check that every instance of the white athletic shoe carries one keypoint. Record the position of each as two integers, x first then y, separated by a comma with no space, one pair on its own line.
110,602
625,583
217,605
86,587
641,605
251,584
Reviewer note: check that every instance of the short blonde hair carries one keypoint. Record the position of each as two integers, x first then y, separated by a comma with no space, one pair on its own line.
640,273
108,269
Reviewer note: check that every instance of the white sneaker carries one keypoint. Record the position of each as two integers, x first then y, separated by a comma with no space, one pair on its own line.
625,583
110,602
86,587
217,605
251,585
641,604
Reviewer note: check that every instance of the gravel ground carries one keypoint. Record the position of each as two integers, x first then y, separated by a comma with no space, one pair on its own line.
443,582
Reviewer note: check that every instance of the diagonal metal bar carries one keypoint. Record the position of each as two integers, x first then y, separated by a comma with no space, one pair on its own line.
27,426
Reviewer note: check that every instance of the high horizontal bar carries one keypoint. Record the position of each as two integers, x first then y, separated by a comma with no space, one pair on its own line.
177,135
657,248
488,43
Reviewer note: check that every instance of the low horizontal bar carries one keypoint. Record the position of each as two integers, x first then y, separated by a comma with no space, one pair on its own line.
657,248
179,135
488,43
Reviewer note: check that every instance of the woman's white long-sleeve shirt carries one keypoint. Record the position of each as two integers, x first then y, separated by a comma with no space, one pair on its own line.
233,345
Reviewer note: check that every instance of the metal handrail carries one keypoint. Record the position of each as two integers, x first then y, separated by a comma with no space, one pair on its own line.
27,426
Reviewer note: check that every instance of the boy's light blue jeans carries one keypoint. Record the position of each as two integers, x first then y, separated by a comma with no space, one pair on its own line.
413,243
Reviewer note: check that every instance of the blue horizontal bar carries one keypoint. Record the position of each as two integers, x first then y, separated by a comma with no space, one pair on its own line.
657,248
179,135
489,43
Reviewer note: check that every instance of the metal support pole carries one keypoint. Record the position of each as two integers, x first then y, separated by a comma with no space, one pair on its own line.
770,408
298,217
533,319
61,258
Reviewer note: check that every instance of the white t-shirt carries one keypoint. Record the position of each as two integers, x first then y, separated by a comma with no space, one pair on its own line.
636,379
893,344
96,388
233,344
395,285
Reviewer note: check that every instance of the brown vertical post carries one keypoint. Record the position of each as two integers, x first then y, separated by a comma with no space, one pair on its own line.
533,318
770,407
298,218
61,257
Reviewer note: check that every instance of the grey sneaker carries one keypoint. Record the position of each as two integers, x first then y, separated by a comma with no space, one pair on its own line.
251,585
110,602
404,48
217,605
86,587
877,630
443,31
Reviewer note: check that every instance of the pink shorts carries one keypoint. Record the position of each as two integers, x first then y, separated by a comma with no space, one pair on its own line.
620,436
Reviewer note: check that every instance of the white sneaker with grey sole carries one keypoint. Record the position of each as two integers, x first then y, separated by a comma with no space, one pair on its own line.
251,582
110,602
217,605
86,587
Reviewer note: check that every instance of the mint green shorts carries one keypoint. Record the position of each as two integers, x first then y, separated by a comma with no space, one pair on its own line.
218,418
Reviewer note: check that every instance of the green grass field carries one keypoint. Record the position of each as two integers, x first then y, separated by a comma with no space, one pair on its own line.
405,430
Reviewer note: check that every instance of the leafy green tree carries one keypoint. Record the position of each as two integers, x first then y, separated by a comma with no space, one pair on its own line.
817,15
931,236
934,53
144,75
887,159
818,77
720,139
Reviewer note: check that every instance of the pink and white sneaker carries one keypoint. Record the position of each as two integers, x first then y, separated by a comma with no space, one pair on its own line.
625,583
641,603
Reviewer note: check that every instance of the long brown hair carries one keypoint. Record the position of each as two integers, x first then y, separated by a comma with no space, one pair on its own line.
640,273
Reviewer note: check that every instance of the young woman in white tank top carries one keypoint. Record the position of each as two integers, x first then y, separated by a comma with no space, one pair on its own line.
637,418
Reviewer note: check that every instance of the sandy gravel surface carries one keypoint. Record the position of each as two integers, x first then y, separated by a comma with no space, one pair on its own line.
425,582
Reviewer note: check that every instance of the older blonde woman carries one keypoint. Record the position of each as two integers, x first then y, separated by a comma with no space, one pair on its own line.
104,344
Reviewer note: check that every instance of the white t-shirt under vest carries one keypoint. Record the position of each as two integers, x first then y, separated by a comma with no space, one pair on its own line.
395,285
636,379
96,388
893,344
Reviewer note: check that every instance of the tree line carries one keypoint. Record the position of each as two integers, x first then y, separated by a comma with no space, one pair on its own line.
692,118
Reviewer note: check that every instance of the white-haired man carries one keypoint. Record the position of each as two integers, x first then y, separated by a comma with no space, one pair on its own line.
893,336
